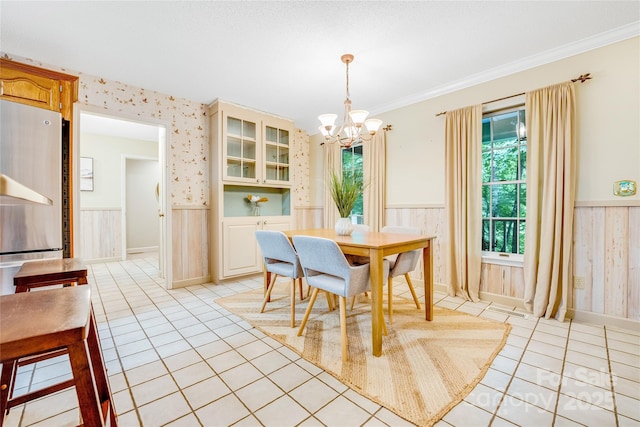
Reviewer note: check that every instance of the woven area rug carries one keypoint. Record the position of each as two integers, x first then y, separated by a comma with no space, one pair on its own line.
426,368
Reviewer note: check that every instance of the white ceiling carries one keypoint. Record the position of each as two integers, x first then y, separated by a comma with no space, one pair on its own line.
284,57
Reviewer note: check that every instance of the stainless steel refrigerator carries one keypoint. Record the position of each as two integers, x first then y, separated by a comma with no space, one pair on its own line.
30,187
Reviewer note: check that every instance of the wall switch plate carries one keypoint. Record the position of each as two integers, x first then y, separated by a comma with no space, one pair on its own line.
578,282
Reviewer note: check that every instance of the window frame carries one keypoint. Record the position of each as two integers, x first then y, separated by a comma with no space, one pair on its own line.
514,104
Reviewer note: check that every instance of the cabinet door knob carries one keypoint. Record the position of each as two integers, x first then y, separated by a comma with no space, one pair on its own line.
265,222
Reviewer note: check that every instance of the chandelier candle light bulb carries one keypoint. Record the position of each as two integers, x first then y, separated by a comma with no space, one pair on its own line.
352,120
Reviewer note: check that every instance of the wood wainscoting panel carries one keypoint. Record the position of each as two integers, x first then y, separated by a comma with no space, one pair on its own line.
100,234
502,280
431,221
190,245
607,255
308,217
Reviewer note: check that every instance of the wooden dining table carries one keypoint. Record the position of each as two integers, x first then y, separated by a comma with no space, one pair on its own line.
376,246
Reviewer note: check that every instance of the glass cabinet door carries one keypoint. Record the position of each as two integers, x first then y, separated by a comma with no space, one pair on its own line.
241,148
276,154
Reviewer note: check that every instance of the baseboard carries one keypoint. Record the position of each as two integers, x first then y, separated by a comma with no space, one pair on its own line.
190,282
101,260
603,319
142,249
577,315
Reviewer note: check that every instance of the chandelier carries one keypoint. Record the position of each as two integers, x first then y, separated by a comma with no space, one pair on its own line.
351,130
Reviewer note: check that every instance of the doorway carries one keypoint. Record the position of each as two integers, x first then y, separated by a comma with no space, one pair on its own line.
117,148
140,207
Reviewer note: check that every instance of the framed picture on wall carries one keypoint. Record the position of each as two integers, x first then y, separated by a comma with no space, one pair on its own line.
86,174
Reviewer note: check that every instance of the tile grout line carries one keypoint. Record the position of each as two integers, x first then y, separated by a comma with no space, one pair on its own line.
611,382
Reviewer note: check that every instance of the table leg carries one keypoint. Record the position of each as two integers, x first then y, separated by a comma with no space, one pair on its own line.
427,258
377,316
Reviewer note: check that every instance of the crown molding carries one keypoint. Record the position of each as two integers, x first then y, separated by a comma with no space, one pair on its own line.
561,52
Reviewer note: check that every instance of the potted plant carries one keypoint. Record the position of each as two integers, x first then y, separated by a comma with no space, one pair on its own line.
345,191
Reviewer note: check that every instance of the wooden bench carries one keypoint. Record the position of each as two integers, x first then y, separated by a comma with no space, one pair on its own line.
35,274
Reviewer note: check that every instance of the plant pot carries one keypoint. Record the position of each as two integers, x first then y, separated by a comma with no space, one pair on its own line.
344,227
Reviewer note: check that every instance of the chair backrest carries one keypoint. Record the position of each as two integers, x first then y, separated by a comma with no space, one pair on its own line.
276,248
361,227
321,255
326,267
406,261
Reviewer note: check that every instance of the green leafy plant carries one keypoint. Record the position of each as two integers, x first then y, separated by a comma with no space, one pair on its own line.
345,190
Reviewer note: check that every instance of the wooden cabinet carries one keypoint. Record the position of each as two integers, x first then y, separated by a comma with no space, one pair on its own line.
38,87
250,153
255,146
241,254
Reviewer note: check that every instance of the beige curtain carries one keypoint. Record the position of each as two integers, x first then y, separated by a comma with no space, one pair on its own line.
374,164
550,117
463,200
332,161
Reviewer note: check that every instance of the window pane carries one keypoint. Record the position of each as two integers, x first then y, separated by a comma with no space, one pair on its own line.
523,162
504,201
506,164
486,166
523,200
249,130
486,235
521,238
272,134
486,201
506,235
523,123
234,126
284,137
486,134
504,129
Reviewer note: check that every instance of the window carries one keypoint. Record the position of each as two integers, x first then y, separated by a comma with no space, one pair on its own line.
504,189
352,164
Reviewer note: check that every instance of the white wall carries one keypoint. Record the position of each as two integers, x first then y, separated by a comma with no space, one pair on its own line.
608,134
142,206
107,155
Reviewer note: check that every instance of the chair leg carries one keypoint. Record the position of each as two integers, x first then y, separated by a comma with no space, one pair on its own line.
267,295
343,327
6,381
300,287
90,406
330,301
413,291
293,303
312,300
390,299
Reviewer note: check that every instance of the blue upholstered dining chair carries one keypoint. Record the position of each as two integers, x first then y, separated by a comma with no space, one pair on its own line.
401,265
280,259
326,268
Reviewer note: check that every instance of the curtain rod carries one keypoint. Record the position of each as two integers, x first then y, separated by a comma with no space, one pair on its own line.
581,78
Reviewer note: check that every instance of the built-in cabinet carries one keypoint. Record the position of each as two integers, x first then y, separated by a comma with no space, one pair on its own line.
250,157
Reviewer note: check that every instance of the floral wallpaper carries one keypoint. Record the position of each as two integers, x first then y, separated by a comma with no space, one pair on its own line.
188,136
300,163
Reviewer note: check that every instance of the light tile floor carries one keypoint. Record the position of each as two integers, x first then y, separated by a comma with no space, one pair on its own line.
176,358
